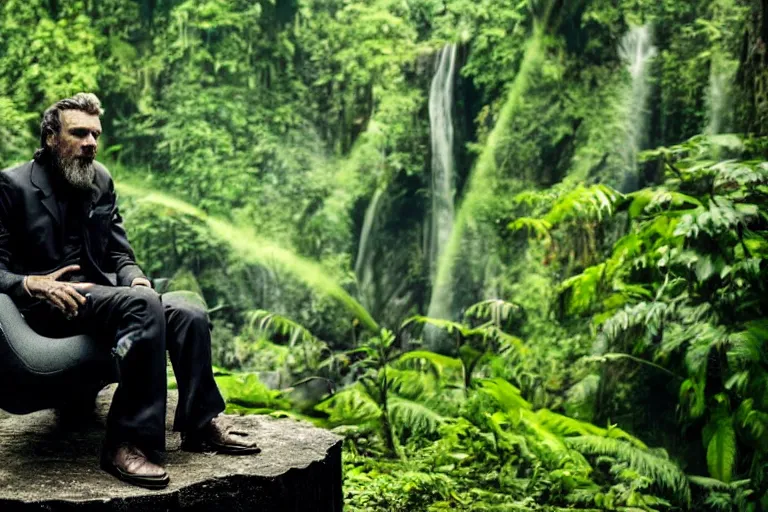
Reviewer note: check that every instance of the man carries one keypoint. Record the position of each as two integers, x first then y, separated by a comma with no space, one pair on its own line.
66,261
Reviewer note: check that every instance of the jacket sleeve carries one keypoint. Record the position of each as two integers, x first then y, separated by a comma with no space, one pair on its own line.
10,283
119,252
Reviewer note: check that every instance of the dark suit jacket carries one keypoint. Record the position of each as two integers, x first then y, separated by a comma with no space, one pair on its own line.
31,235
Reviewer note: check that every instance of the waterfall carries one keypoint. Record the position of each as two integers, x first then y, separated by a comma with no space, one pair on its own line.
717,102
364,261
636,50
441,99
719,96
441,135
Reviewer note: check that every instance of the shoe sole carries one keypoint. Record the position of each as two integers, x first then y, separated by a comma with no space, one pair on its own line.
221,449
238,451
153,483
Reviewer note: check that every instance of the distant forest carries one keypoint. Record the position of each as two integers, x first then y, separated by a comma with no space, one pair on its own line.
515,251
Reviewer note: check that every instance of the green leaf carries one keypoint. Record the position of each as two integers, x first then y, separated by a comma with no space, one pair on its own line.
704,268
505,393
438,362
654,464
538,227
721,452
496,310
246,390
351,406
415,417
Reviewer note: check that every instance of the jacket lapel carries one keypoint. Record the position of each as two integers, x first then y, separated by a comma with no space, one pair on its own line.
40,180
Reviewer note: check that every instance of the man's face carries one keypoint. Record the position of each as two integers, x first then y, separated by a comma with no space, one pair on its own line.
75,146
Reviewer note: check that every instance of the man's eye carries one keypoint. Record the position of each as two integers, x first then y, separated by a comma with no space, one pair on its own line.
82,133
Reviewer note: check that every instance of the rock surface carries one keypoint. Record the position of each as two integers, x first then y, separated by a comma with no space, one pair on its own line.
46,466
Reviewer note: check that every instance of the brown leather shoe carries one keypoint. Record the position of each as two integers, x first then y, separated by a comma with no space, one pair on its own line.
218,436
131,465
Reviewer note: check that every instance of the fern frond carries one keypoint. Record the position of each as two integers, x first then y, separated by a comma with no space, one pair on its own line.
532,197
538,227
505,340
246,390
553,443
753,420
693,396
410,383
721,217
566,426
552,447
629,246
497,311
748,346
584,203
747,269
693,152
704,337
650,200
662,198
715,484
643,317
438,363
584,288
413,417
350,406
653,465
447,325
734,175
274,323
505,393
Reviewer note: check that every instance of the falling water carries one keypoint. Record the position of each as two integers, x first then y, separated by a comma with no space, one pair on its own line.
636,50
257,250
364,262
479,184
718,98
441,99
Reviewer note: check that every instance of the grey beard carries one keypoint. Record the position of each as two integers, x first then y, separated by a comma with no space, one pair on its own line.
78,173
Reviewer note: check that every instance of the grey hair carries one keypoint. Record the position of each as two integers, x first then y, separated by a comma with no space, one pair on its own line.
51,124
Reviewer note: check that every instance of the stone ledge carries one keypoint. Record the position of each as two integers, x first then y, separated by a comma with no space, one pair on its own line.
44,466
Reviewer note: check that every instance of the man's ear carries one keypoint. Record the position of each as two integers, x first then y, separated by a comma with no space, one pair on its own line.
51,140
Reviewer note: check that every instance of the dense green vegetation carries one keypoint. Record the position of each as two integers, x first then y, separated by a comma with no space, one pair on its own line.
601,327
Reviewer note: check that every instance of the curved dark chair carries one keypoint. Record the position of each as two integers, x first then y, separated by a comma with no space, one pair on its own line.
37,372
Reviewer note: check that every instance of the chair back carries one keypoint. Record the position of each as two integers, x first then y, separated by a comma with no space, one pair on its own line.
37,372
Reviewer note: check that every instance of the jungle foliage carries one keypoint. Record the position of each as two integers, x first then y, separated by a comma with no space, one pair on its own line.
606,343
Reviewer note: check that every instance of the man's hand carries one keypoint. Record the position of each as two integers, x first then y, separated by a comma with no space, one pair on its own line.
64,296
141,281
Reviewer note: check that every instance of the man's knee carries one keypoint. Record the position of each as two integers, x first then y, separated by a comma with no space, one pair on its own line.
190,314
145,302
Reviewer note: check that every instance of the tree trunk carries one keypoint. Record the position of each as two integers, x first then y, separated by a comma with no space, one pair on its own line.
753,72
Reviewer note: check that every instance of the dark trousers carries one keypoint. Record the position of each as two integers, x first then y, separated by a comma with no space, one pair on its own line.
140,327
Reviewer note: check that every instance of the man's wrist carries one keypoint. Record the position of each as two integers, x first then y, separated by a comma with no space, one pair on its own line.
26,286
141,281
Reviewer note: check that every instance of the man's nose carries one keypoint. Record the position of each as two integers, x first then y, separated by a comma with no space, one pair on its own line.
90,142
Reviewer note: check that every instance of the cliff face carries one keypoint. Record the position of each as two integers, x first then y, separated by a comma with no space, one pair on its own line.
753,74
